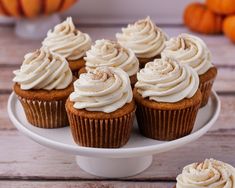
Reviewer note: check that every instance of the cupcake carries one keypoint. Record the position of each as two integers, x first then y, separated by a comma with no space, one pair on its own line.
191,50
167,98
211,173
70,43
101,109
144,38
42,84
111,54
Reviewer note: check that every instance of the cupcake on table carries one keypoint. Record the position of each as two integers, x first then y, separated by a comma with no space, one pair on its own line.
192,50
167,98
144,38
42,84
101,109
111,54
210,173
68,42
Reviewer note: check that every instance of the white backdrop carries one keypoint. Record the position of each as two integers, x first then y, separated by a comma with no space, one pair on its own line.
125,11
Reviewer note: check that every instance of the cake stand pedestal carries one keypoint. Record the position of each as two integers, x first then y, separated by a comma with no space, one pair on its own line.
114,167
36,28
129,160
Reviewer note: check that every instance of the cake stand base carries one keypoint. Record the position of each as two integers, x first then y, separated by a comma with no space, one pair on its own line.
114,167
36,28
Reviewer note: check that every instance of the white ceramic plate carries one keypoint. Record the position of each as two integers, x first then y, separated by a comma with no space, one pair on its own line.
138,145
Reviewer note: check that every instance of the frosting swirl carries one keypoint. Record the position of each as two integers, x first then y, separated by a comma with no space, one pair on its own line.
67,41
210,173
191,50
43,70
165,80
143,37
104,89
111,54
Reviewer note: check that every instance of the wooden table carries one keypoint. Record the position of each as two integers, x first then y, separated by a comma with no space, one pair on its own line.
24,163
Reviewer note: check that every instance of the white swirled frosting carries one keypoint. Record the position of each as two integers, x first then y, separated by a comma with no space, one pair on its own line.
43,70
165,80
191,50
143,37
111,54
208,174
67,41
104,89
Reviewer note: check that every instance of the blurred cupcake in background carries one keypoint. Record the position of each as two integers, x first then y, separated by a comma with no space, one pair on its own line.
42,84
111,54
210,173
191,50
167,98
68,42
144,38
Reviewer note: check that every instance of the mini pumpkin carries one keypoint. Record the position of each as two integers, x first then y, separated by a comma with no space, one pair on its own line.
33,8
199,18
229,27
221,6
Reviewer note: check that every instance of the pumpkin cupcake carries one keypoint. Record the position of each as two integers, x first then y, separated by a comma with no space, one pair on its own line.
70,43
191,50
42,84
144,38
210,173
111,54
101,109
167,98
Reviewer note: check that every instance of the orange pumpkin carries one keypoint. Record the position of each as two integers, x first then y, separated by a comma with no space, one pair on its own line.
221,6
33,8
229,27
199,18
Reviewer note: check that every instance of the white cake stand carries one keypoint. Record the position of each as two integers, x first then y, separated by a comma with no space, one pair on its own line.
35,29
129,160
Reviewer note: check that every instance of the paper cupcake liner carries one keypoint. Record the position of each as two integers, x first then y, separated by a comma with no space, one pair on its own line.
206,91
101,133
166,124
45,114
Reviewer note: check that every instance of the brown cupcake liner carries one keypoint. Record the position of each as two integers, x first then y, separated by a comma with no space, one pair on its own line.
206,83
166,124
205,89
101,133
45,114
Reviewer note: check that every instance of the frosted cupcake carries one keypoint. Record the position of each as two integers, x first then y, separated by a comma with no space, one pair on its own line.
167,98
68,42
101,109
144,38
111,54
191,50
42,84
210,173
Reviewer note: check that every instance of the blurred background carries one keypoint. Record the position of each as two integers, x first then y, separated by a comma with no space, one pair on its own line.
125,11
111,11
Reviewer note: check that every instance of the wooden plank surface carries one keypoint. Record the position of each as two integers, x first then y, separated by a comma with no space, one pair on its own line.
84,184
24,159
12,48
